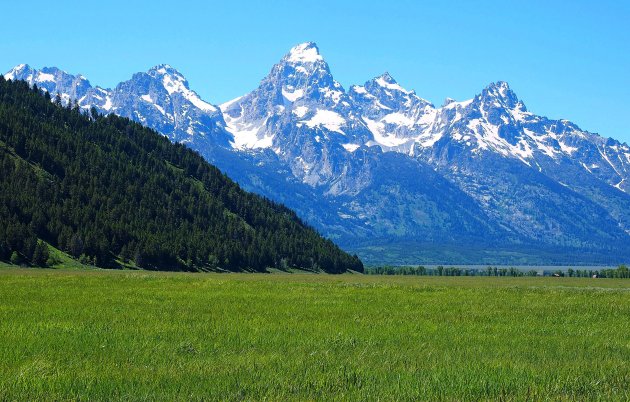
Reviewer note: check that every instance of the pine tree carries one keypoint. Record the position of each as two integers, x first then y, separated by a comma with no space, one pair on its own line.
41,254
138,258
76,245
15,258
94,113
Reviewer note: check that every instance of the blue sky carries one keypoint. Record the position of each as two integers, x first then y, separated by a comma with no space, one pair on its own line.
563,59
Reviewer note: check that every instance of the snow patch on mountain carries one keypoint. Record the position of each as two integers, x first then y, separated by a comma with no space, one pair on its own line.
304,53
332,121
300,111
245,135
351,147
43,77
381,137
294,95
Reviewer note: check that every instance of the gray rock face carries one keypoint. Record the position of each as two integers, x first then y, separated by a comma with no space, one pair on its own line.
379,167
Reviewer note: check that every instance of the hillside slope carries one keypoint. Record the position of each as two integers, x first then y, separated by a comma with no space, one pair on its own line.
110,189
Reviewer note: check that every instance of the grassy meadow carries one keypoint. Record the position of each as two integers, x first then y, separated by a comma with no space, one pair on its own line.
102,335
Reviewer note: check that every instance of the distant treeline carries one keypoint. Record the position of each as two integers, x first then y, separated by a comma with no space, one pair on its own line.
621,272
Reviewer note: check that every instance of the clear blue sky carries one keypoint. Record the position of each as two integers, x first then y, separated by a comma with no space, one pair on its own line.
563,59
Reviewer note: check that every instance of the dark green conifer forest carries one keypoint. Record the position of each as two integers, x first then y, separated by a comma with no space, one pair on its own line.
109,191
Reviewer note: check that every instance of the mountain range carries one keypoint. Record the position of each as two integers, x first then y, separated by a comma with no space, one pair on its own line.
384,172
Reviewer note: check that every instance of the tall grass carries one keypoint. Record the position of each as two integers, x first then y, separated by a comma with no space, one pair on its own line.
121,335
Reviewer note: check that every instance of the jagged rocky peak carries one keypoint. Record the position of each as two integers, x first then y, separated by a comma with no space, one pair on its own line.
385,80
501,92
46,74
302,62
52,79
306,52
498,89
298,95
303,73
300,81
386,77
20,72
163,71
383,94
169,79
448,101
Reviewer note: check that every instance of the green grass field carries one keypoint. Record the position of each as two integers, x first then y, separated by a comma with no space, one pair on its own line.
102,335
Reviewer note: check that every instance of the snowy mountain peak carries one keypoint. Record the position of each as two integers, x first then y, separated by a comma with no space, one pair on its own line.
18,71
20,67
300,93
301,65
502,85
386,81
53,80
172,80
33,76
45,74
448,101
387,78
174,83
302,76
306,52
501,92
162,99
499,89
164,69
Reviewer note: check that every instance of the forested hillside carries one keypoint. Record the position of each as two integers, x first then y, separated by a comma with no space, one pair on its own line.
111,191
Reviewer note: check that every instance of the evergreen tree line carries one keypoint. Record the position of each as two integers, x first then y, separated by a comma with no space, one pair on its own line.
621,272
106,189
446,271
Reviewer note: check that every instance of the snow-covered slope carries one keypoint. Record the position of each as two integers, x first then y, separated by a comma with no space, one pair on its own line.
394,115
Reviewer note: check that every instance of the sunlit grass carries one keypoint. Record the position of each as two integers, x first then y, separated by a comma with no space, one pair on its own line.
138,335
